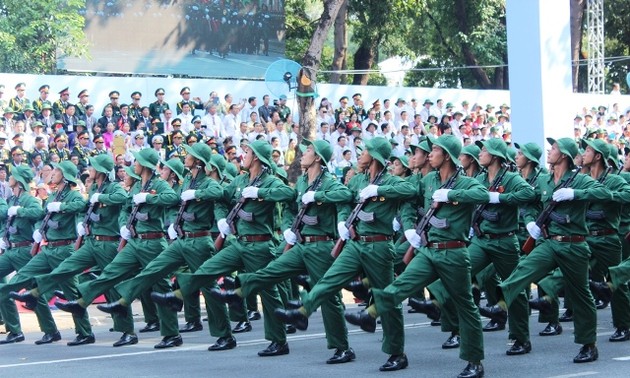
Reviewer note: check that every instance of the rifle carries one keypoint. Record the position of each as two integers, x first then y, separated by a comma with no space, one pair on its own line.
131,222
544,217
422,228
231,217
353,217
87,220
478,213
177,223
297,222
44,227
5,237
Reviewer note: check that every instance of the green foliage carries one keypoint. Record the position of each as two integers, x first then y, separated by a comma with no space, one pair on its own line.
34,33
617,42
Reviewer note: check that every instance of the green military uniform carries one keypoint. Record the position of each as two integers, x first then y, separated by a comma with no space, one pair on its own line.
64,153
17,254
60,235
18,104
372,253
157,108
99,247
252,248
313,254
565,247
83,153
192,248
142,249
497,244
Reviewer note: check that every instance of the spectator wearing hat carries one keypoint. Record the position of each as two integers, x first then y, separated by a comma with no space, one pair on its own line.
17,158
113,102
199,131
60,105
19,101
176,149
99,145
44,90
343,108
159,106
28,116
195,103
8,120
46,117
135,108
80,106
5,151
81,147
465,109
137,144
358,108
426,110
60,149
283,110
373,116
157,143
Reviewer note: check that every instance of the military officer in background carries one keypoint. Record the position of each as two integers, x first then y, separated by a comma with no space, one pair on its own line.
18,102
81,106
159,106
195,103
113,102
59,106
43,97
135,109
176,149
60,149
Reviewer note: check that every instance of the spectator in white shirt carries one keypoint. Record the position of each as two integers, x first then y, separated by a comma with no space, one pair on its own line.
346,159
370,132
241,133
249,108
323,133
439,110
281,133
341,131
404,121
186,117
401,105
259,130
339,148
413,108
213,122
231,120
465,108
371,118
324,115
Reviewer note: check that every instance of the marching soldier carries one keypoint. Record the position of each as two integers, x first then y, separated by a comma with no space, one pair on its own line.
99,246
563,243
148,197
370,251
59,106
321,192
251,250
191,244
431,259
62,207
25,210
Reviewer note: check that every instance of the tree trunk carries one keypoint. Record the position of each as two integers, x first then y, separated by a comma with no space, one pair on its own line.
310,65
363,60
341,44
577,24
469,56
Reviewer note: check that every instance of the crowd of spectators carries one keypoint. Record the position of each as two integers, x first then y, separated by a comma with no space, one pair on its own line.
64,127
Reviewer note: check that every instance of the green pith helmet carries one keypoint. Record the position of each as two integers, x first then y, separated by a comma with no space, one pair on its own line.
69,170
147,157
102,163
321,148
176,166
262,149
23,174
532,151
450,144
566,145
380,149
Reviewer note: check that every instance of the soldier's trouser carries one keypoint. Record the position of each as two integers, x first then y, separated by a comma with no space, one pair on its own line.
551,286
92,253
452,266
249,256
572,259
376,259
149,309
192,252
137,254
44,262
315,258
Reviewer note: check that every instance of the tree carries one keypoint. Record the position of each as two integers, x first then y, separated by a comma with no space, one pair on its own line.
34,33
577,30
341,45
310,65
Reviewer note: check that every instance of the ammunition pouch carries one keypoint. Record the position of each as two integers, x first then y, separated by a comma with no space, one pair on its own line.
559,218
52,224
188,217
365,217
595,214
95,218
244,215
439,223
310,220
490,216
142,217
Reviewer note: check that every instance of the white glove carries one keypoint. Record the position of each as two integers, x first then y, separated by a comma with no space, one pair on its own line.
80,229
54,207
140,198
125,233
563,194
494,197
308,197
395,225
188,195
413,238
369,192
37,236
3,245
224,227
250,192
533,230
172,234
441,195
290,237
94,198
344,233
13,211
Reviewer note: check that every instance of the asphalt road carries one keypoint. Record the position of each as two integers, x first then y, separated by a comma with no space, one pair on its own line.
550,357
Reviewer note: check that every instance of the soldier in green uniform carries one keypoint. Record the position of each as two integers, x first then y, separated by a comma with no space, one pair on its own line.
159,106
80,106
135,109
98,248
25,210
370,252
192,246
18,102
60,147
142,247
99,146
43,97
251,250
63,206
59,106
602,220
322,192
113,98
5,153
81,149
177,148
444,255
563,245
195,103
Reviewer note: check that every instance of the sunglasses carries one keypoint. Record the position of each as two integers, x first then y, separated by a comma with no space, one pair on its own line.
157,142
177,137
136,98
99,141
83,138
